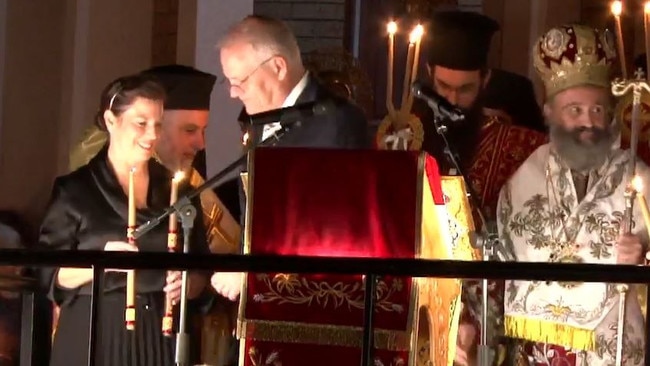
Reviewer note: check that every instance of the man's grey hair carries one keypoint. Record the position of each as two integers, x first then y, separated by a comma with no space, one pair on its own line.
267,36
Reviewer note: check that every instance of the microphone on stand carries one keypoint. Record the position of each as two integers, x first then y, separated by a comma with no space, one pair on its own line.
488,239
478,240
294,114
437,102
289,118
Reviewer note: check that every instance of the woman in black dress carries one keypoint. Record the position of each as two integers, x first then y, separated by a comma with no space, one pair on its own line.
88,211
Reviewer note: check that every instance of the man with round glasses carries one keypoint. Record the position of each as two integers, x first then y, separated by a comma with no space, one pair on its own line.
263,66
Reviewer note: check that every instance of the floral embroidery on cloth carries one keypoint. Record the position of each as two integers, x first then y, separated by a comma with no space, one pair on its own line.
540,217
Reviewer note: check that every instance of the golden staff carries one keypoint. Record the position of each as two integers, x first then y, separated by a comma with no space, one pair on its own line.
172,243
129,314
620,88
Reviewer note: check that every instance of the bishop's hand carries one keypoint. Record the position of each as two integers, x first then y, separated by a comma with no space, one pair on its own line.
466,345
629,250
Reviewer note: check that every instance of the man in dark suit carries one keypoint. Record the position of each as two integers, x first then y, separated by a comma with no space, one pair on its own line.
263,66
261,60
262,63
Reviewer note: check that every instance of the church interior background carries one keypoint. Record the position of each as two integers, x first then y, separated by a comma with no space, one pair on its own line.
55,56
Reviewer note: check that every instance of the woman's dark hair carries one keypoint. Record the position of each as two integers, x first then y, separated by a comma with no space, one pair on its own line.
19,224
120,94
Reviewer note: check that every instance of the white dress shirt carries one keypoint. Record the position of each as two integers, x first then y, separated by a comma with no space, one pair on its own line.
290,101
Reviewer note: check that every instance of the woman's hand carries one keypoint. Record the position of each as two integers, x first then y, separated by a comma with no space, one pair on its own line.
196,282
119,246
70,278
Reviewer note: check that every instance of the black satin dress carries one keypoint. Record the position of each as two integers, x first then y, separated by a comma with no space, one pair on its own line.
88,208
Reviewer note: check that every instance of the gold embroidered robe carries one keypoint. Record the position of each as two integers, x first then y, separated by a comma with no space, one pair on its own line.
537,211
501,150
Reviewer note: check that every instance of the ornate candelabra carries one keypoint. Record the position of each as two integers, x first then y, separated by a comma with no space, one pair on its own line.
400,129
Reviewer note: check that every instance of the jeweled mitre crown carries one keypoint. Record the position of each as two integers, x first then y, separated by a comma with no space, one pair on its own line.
574,55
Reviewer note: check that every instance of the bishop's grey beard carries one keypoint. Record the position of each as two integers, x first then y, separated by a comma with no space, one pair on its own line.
582,156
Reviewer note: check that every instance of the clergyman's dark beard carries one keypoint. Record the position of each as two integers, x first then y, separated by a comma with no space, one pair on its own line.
579,155
464,136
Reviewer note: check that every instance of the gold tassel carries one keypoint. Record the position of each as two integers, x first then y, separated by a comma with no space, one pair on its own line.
545,331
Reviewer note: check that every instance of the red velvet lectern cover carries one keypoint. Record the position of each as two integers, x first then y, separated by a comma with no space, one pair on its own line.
338,203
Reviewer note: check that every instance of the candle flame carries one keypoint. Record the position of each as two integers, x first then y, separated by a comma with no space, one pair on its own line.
416,34
646,7
178,176
392,27
637,183
617,8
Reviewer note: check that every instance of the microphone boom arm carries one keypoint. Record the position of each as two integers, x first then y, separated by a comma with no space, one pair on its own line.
186,200
187,213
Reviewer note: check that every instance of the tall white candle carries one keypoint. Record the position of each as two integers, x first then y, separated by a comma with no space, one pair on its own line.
415,37
392,29
407,77
617,10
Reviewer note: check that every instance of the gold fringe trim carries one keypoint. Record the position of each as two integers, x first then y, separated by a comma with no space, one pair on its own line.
322,334
545,331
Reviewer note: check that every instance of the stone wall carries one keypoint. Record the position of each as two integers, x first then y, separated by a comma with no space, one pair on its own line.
316,23
471,5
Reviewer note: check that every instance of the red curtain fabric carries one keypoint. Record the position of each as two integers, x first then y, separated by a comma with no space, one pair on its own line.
314,355
338,203
335,202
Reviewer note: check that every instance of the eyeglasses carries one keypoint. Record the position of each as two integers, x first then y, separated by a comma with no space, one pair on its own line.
240,83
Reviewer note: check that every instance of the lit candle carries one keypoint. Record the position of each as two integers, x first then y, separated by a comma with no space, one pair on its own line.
637,183
415,37
168,318
132,210
392,29
406,91
617,10
646,27
173,223
129,314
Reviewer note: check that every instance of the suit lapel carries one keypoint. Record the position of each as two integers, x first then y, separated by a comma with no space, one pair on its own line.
311,93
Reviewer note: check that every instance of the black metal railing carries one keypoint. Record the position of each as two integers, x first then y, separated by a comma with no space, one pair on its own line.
532,271
370,267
